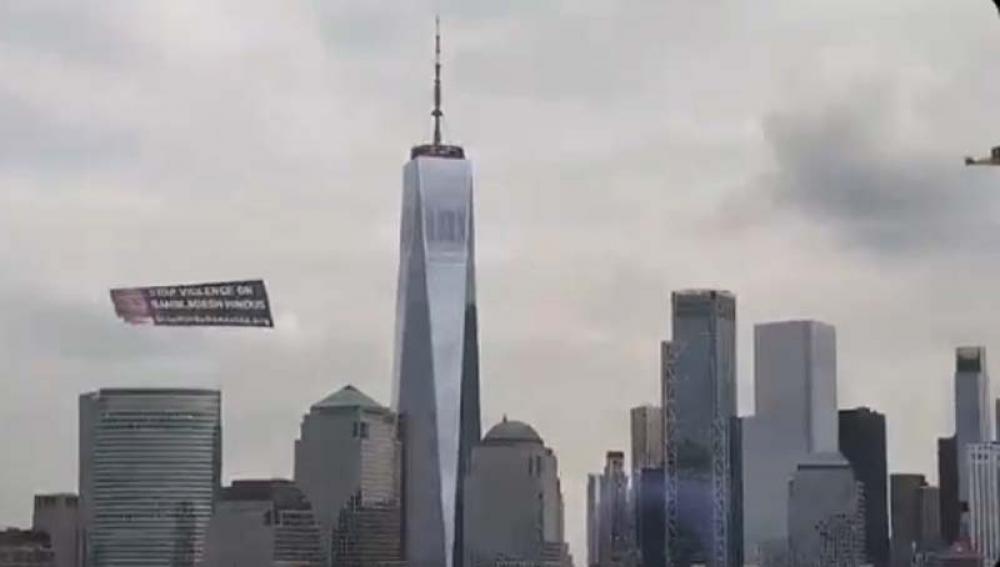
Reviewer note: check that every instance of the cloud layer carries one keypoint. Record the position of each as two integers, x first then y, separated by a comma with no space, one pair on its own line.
804,155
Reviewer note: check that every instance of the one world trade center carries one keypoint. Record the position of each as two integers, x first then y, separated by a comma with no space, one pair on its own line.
436,373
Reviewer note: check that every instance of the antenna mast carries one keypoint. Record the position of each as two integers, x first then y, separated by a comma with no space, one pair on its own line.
437,113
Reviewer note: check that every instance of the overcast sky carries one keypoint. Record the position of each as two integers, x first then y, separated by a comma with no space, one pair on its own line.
804,154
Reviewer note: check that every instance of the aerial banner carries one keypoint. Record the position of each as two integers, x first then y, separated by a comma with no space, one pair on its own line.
224,304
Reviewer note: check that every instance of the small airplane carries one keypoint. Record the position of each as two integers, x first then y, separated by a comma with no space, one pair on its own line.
993,159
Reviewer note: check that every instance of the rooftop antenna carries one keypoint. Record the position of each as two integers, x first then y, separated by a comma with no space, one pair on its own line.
437,114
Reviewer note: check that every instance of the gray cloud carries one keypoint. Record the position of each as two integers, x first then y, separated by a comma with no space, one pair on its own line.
621,151
844,164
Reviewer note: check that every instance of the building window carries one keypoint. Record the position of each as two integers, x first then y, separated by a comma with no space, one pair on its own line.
364,430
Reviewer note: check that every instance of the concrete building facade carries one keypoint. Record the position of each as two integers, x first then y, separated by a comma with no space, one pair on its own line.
25,548
263,523
825,514
795,388
58,515
347,462
514,503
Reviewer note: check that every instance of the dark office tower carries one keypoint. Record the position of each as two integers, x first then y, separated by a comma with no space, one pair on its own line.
25,548
436,374
735,543
59,516
650,518
951,509
863,443
930,519
906,508
996,416
699,401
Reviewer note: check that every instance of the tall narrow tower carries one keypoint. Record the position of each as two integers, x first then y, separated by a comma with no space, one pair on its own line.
972,421
436,374
702,433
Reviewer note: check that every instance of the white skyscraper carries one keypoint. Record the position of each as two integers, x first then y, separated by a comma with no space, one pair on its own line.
825,514
983,464
972,414
150,461
436,386
795,387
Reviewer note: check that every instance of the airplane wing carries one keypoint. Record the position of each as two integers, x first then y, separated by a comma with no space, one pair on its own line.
992,159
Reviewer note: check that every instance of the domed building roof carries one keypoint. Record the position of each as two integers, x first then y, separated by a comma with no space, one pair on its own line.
508,431
347,397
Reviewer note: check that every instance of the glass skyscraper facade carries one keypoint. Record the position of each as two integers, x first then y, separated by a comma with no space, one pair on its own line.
647,437
703,476
436,386
150,462
972,414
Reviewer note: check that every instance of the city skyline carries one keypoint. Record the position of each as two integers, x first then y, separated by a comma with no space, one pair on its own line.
224,148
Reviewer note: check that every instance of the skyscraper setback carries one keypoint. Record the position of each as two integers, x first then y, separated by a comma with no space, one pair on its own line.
436,373
703,479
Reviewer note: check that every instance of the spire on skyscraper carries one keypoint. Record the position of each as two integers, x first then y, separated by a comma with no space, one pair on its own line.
437,148
437,113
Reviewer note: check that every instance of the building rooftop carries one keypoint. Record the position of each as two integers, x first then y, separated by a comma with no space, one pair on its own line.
283,493
347,397
155,392
437,151
507,432
699,292
17,537
823,461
